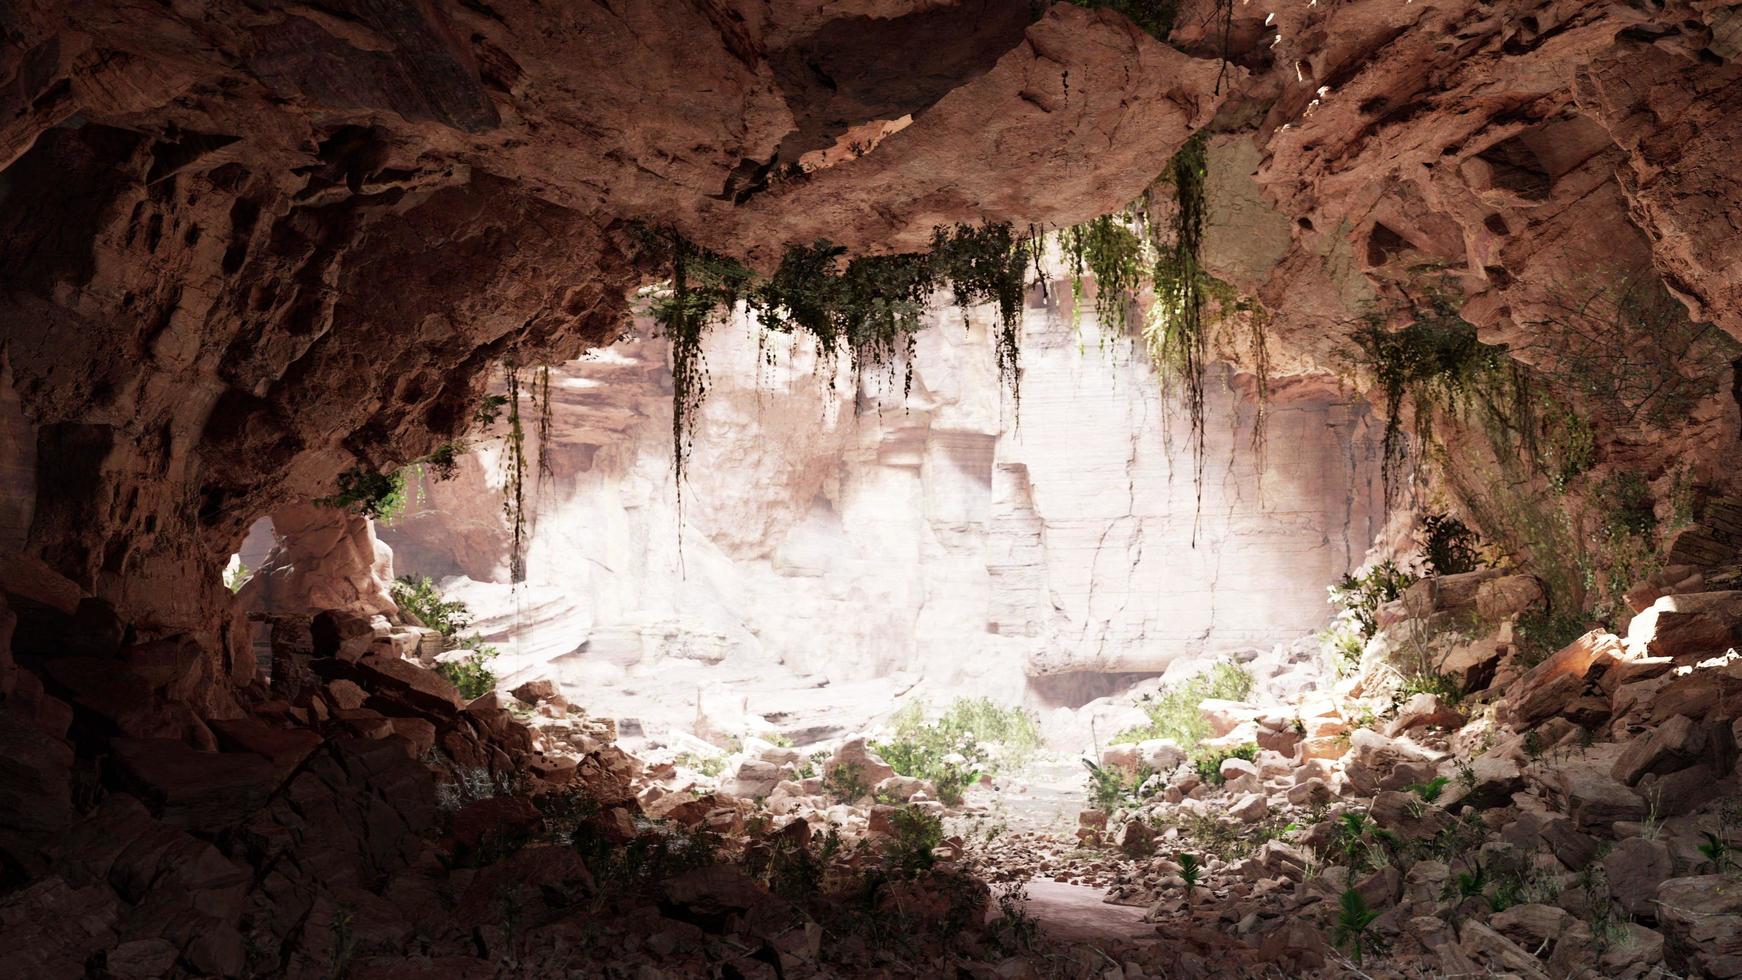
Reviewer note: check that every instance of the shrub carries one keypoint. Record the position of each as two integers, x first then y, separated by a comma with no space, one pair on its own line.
1173,712
973,736
1353,918
1449,547
1108,787
1358,598
711,766
419,596
845,783
1209,764
471,673
370,493
917,833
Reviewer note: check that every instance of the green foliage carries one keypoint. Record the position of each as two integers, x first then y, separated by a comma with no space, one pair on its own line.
1173,711
1450,546
659,852
1568,446
909,851
870,306
1627,505
989,264
1190,871
471,673
1717,852
973,736
421,598
708,765
1108,787
1114,254
370,493
1176,335
1436,363
1209,762
489,410
1360,842
235,578
1625,348
1155,17
444,461
845,783
1358,598
1430,790
1444,686
1353,918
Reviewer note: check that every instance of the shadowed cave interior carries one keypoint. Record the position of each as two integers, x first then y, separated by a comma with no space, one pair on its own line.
1106,489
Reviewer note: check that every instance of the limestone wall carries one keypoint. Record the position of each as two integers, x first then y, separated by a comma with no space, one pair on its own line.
840,533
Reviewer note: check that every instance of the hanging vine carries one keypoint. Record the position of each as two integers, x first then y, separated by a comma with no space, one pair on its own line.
541,397
514,478
870,307
1175,334
1438,364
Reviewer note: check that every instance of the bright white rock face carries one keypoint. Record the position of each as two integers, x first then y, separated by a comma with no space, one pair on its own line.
843,545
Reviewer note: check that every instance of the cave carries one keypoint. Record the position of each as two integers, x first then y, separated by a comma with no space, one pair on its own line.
964,488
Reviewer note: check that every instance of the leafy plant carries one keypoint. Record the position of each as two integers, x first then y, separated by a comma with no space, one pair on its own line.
1539,633
1353,920
420,597
237,576
1174,713
1190,871
369,493
1450,546
1176,334
1358,598
917,834
973,736
845,783
1360,841
1435,362
1155,17
708,765
1430,790
1109,788
1716,850
1209,764
471,673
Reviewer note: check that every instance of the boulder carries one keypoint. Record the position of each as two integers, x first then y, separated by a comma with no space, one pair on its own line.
856,754
1424,710
755,779
1506,596
421,689
1137,839
1701,920
1493,950
1225,716
1250,808
1556,682
1671,747
1681,793
1373,760
536,691
1634,869
903,788
1161,754
1233,768
1585,789
204,792
1687,627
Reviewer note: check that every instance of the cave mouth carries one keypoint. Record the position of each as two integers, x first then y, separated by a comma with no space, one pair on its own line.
881,488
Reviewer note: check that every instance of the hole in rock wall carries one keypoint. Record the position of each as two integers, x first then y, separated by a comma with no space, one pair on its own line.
846,552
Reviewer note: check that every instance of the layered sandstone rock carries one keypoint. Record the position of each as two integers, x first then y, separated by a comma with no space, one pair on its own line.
844,530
